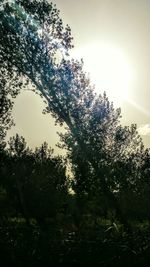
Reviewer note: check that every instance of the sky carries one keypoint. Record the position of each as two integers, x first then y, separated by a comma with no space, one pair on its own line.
113,38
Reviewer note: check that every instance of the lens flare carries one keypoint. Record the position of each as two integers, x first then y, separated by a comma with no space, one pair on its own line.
108,68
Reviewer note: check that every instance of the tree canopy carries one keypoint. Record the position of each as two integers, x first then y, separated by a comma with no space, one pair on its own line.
99,148
109,163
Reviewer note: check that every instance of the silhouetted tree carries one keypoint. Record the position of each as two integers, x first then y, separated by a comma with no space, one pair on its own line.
32,35
8,91
109,162
35,183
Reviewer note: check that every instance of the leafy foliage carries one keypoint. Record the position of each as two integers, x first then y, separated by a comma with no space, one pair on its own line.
35,183
110,165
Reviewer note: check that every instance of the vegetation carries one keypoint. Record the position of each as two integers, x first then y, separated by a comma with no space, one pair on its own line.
101,215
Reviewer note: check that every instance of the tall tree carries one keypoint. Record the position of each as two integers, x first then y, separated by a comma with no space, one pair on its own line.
32,35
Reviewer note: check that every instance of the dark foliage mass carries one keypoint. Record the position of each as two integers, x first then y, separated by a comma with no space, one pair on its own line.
102,214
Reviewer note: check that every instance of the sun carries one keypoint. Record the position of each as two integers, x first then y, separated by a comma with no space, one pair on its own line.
108,68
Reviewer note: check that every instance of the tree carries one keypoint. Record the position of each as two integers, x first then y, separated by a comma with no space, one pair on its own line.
34,183
8,90
32,35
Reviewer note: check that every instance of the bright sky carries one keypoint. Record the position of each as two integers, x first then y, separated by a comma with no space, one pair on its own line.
113,38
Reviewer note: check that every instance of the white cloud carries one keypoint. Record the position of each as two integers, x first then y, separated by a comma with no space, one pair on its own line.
144,129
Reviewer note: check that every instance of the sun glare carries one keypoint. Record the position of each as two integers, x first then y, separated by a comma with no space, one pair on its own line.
109,70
